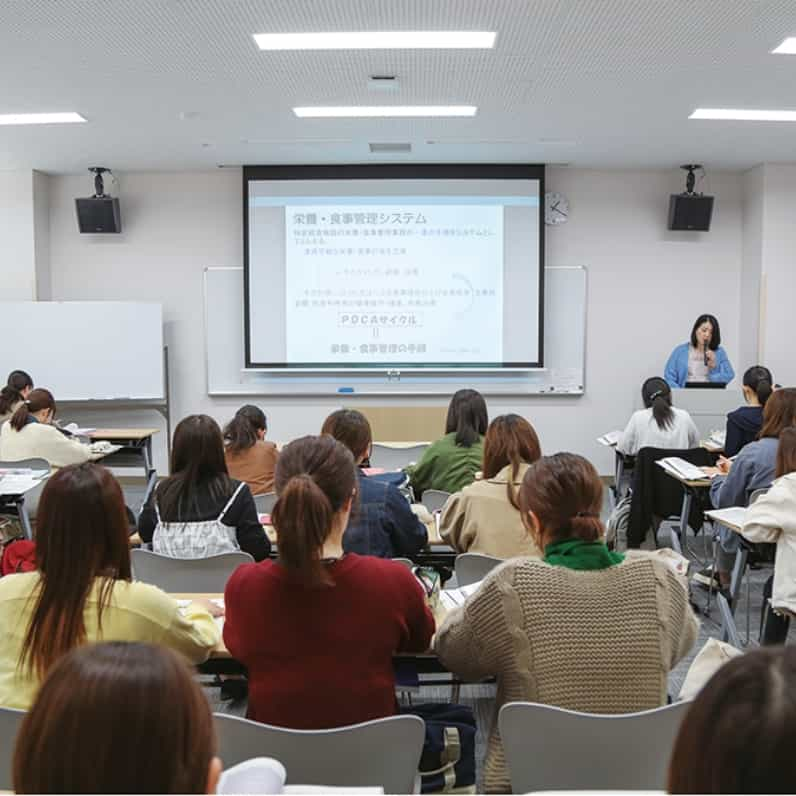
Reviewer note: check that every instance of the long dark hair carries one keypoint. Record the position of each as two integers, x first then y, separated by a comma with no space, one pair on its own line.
715,338
759,380
37,400
18,381
116,718
197,467
657,395
351,428
565,493
315,477
510,440
241,432
737,736
81,534
467,416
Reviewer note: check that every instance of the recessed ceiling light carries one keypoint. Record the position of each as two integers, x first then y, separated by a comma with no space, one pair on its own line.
377,40
788,47
41,118
743,115
384,110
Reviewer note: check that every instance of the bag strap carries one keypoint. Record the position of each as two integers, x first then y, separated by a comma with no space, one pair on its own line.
230,501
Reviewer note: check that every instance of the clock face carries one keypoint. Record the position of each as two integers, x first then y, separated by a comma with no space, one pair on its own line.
556,208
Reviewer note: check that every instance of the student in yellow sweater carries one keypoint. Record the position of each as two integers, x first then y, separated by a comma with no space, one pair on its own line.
83,590
583,628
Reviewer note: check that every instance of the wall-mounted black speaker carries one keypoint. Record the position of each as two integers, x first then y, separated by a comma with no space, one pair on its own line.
690,212
98,214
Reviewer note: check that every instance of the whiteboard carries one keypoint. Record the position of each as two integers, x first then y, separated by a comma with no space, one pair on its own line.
85,350
564,346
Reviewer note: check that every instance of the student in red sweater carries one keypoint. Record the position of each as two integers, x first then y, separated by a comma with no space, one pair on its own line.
317,629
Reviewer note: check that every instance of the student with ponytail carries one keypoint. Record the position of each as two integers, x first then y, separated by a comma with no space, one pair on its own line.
318,628
30,434
249,457
659,424
744,423
583,628
14,393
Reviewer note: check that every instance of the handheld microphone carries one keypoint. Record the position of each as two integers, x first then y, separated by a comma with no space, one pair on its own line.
705,353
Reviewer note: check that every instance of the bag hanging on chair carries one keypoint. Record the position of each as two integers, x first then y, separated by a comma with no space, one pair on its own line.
447,764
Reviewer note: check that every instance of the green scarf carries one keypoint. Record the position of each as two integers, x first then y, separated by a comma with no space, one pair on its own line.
578,554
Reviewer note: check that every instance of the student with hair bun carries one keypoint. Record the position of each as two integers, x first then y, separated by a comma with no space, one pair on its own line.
744,423
583,628
318,628
30,434
14,393
249,457
659,424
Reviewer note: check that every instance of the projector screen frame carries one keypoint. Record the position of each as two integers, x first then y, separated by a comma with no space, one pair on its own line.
404,171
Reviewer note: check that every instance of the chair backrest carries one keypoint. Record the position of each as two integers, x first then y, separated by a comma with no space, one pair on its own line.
407,562
758,493
265,503
473,567
10,722
434,499
549,748
383,752
392,457
186,575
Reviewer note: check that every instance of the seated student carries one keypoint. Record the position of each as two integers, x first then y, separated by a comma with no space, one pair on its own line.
118,718
249,457
753,469
382,524
737,736
532,621
744,423
14,393
30,434
199,511
772,518
318,628
659,424
83,591
485,516
451,462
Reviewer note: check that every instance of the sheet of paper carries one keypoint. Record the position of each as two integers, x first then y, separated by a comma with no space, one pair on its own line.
686,470
610,439
17,484
452,598
735,516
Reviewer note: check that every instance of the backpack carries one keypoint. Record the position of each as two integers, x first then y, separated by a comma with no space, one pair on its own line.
19,555
618,523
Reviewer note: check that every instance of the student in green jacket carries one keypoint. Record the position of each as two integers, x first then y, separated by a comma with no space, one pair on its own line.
451,463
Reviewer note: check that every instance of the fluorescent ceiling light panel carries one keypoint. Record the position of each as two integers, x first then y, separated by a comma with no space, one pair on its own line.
377,40
371,111
41,118
743,115
788,47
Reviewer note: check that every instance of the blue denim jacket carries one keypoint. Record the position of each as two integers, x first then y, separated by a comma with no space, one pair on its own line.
382,524
676,371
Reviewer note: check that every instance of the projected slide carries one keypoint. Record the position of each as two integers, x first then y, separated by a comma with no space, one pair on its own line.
392,273
394,282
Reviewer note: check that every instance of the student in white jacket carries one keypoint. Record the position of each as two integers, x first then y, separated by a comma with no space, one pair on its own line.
659,425
772,518
30,434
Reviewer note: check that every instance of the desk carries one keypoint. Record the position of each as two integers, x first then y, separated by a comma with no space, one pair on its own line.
15,498
136,450
690,488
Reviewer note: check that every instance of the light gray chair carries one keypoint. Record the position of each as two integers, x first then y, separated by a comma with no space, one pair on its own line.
434,499
26,505
472,567
407,562
265,503
383,752
10,722
391,457
548,748
186,575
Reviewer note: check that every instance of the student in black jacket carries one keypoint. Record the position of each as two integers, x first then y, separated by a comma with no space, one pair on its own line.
199,510
744,423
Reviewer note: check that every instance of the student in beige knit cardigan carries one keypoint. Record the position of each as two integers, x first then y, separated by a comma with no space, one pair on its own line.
583,628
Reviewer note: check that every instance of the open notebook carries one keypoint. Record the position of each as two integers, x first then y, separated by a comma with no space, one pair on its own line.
610,439
452,598
682,469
